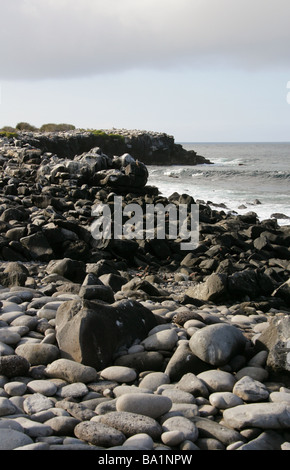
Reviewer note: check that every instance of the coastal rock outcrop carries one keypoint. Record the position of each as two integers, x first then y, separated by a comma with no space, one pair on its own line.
152,148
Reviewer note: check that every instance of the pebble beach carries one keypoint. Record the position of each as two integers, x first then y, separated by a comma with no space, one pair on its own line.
156,351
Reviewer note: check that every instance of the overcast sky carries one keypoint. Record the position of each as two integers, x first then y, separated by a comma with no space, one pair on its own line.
201,70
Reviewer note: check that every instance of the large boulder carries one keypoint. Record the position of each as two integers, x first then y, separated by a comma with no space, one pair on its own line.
91,333
216,344
73,270
213,289
276,341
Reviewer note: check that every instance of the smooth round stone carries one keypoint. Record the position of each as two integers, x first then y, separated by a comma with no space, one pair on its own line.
140,361
5,349
63,425
122,389
277,397
6,407
206,410
71,371
8,306
43,416
36,403
20,329
132,423
33,428
193,324
13,366
35,446
99,434
265,415
257,373
9,337
25,320
158,328
180,423
45,387
192,384
250,390
145,404
75,390
49,338
142,441
6,423
187,410
153,380
11,439
9,317
189,446
178,396
38,354
172,438
208,443
216,344
49,314
119,374
164,340
217,380
259,360
136,349
224,400
15,388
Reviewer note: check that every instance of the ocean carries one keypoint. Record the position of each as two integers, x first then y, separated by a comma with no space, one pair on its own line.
244,177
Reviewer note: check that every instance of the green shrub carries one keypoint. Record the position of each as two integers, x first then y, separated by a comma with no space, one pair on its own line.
106,136
25,126
8,134
51,127
8,129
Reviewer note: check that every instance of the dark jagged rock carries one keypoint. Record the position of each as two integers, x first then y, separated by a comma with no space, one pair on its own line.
152,148
92,332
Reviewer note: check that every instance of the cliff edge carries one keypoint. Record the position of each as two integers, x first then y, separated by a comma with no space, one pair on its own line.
152,148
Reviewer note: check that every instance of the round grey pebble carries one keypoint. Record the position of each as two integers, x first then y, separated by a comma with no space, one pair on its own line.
11,439
119,374
75,390
44,387
6,407
180,423
62,425
15,388
146,404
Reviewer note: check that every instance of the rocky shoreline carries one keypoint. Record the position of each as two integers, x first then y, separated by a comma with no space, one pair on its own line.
135,344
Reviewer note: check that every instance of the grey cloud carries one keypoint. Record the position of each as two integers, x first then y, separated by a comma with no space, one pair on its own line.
74,38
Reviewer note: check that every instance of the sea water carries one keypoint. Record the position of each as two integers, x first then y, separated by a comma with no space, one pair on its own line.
243,177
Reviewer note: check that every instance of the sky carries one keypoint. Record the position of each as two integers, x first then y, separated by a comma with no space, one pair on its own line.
200,70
